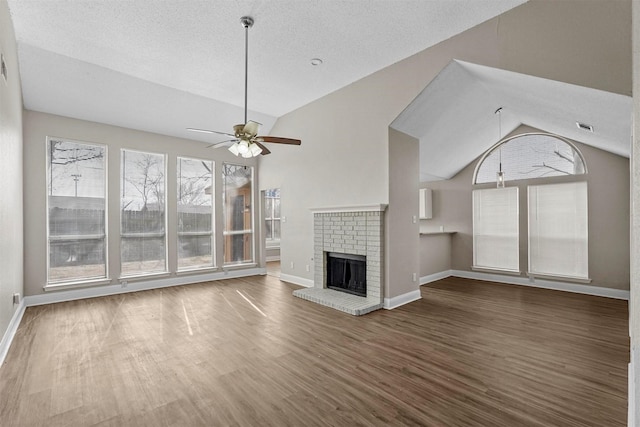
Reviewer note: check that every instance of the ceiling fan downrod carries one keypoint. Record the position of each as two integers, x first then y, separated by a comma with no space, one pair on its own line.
247,22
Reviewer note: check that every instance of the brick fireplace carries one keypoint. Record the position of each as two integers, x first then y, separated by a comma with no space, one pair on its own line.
355,232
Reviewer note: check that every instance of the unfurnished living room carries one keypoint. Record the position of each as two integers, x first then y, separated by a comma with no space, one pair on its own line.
304,213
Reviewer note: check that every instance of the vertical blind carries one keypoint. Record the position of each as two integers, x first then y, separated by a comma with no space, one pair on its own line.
495,229
558,232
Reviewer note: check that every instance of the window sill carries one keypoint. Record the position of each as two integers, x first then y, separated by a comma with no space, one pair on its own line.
202,270
497,270
239,266
571,279
144,276
72,285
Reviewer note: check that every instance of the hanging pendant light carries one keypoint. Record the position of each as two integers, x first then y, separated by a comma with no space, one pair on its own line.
500,173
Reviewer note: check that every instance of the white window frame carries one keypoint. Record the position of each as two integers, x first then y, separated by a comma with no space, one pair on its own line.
211,233
250,231
97,280
507,227
166,243
576,225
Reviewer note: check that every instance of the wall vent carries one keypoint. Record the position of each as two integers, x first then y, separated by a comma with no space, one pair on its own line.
585,126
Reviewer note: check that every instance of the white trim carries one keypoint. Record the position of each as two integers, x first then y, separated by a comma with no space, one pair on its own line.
296,280
631,401
364,208
496,270
273,258
7,339
435,276
546,284
395,302
92,292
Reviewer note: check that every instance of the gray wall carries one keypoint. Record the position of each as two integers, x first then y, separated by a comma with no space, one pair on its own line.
39,125
401,220
11,239
634,303
343,157
608,181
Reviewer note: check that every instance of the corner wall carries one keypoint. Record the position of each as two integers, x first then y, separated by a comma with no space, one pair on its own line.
11,225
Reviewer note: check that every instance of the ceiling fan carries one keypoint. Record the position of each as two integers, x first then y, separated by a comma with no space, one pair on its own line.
245,141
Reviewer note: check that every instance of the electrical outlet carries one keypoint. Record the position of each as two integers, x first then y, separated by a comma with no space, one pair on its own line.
123,283
414,219
415,277
307,267
292,265
16,298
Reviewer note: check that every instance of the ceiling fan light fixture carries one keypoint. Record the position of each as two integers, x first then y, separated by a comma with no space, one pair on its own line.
255,150
234,149
243,146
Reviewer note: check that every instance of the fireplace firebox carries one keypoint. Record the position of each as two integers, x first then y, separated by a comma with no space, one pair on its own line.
347,273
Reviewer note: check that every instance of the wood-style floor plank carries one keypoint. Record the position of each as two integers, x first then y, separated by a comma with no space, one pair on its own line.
245,352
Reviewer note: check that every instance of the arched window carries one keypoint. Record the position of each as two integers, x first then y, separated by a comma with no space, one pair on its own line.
530,155
557,213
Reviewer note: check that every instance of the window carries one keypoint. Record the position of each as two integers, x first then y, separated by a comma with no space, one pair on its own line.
76,207
143,248
195,214
558,232
495,229
237,198
272,216
530,155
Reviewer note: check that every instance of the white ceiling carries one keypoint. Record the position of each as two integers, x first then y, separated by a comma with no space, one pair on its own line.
164,65
454,116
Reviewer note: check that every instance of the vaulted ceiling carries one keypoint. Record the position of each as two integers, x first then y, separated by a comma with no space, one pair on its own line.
454,117
163,66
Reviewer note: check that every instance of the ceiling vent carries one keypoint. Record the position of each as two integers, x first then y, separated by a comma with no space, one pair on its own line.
585,126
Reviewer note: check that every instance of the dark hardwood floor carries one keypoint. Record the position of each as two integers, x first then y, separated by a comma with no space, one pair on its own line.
245,352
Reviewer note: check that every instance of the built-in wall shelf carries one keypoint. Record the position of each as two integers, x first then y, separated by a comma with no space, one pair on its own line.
436,233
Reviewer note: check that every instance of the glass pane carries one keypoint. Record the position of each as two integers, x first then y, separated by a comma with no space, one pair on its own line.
276,207
269,229
76,211
276,229
238,194
268,208
531,156
195,213
143,243
195,251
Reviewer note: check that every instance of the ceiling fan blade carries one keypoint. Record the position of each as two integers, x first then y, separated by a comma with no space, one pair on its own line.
222,143
210,131
251,128
280,140
265,150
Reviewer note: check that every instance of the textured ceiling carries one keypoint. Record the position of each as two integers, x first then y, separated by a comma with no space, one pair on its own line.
162,66
457,109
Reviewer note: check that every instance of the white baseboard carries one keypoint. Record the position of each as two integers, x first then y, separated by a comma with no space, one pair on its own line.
391,303
632,409
546,284
296,280
7,339
100,291
272,258
435,276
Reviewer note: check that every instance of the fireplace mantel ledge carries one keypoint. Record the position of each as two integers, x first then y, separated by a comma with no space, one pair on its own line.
362,208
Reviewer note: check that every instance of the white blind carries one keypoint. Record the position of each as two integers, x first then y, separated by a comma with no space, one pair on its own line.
558,233
495,229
